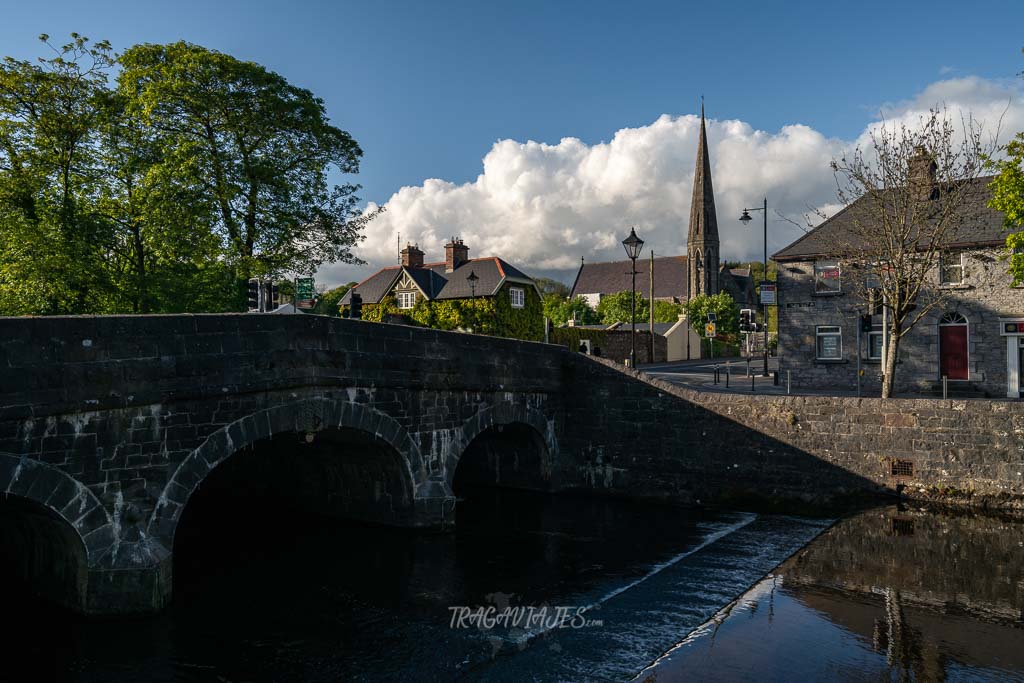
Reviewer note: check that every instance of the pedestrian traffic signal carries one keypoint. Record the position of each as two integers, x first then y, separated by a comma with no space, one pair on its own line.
865,323
356,306
746,318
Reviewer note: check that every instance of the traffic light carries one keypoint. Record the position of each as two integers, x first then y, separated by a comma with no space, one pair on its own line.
356,306
875,301
745,320
273,296
866,324
254,295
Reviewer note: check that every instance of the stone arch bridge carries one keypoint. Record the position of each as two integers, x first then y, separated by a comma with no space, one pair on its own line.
109,425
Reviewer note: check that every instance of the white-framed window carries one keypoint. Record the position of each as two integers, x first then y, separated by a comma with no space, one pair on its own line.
827,278
829,344
951,268
875,343
518,296
406,300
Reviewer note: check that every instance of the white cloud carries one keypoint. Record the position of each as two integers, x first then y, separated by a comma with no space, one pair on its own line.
543,206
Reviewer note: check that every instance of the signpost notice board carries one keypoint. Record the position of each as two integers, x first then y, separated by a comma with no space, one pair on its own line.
709,330
305,293
768,293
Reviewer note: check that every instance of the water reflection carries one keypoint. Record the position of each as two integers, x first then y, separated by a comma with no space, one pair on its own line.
890,594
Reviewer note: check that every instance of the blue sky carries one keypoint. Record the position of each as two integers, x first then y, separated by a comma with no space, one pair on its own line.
428,87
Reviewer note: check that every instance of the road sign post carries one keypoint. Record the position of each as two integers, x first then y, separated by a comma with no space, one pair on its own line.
710,330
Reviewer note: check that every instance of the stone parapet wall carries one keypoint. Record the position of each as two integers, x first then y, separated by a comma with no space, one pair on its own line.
661,440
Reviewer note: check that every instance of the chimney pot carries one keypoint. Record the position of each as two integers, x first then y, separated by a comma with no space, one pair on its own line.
412,257
455,254
922,169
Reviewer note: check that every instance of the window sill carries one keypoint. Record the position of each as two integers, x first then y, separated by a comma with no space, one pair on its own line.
832,361
952,286
826,295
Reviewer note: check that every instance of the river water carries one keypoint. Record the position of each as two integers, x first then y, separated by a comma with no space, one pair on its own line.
646,591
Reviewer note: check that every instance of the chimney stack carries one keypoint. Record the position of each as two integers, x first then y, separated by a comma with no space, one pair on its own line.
922,169
412,257
455,254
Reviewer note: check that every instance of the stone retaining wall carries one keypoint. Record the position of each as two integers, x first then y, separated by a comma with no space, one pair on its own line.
661,440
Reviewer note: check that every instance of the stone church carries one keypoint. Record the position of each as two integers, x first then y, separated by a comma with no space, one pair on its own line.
677,278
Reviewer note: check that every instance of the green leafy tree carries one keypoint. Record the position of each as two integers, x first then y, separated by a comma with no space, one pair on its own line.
166,193
54,243
666,311
164,256
724,308
257,147
615,308
328,302
561,310
1008,197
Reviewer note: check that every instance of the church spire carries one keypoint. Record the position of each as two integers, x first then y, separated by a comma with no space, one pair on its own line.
702,240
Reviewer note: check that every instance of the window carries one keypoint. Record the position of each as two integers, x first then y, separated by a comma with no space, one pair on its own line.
830,342
875,343
951,269
518,296
826,277
406,300
953,318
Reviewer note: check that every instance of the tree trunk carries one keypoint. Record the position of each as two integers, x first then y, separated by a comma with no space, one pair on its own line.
889,377
142,294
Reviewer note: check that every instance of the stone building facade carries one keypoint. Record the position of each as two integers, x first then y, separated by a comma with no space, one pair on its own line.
974,337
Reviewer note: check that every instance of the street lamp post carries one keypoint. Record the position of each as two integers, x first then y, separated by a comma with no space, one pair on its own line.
746,218
633,245
472,278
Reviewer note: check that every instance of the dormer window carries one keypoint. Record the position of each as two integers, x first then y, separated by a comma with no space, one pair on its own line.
518,296
406,300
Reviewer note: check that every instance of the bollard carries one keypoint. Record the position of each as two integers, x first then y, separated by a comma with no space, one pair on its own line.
752,383
945,386
775,378
748,366
788,382
728,374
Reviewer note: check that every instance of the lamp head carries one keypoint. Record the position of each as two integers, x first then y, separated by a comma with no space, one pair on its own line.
633,244
745,218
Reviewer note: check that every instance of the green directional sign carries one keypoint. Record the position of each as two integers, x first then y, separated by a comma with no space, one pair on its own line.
305,292
304,288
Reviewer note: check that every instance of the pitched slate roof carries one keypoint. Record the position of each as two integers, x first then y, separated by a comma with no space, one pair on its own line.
612,277
435,283
739,283
983,226
659,328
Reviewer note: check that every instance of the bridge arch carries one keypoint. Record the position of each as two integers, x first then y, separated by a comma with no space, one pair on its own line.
506,434
308,416
53,529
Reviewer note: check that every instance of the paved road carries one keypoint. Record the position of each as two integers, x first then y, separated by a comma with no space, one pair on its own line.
700,374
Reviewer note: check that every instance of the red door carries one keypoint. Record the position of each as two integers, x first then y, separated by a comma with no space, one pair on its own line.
953,351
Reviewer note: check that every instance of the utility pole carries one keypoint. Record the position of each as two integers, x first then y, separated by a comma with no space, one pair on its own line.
650,356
